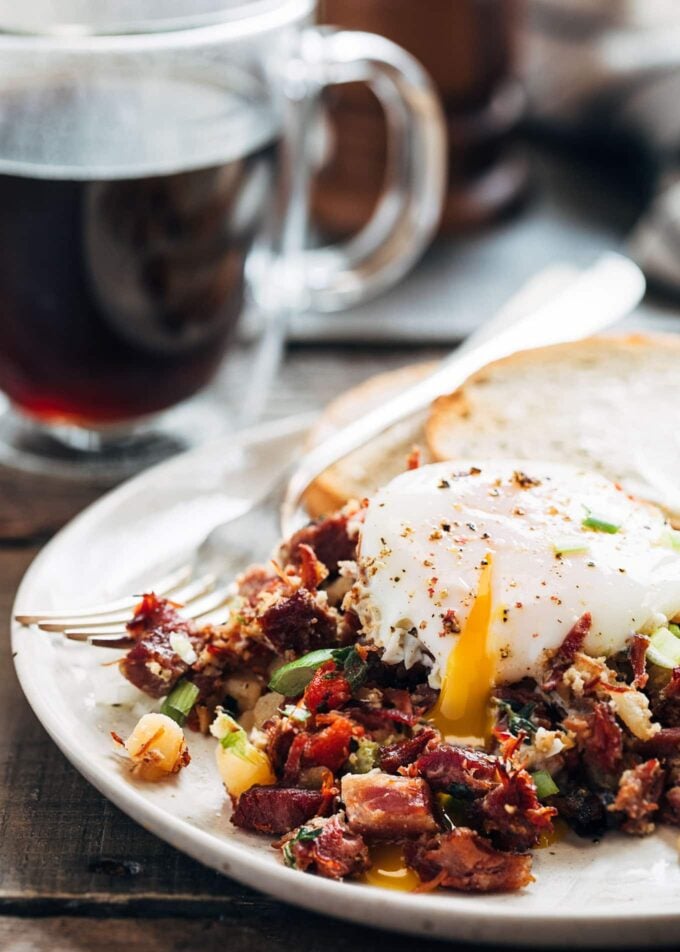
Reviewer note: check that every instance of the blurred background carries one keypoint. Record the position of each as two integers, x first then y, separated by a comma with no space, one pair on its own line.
563,134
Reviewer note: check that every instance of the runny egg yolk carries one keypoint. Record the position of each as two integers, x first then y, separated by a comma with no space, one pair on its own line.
389,869
462,709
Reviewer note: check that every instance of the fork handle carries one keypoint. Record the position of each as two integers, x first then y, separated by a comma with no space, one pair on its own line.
602,294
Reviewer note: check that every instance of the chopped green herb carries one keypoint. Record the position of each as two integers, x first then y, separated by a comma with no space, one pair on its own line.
179,702
599,524
365,757
517,720
355,669
545,785
303,835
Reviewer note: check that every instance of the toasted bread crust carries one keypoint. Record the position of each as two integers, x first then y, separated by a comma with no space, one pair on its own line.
443,432
344,480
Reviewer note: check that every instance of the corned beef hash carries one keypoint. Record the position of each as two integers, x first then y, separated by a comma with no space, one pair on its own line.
422,688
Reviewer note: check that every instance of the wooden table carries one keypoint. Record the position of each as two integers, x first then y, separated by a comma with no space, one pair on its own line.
75,873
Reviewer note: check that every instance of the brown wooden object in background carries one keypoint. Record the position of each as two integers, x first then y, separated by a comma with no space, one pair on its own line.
468,48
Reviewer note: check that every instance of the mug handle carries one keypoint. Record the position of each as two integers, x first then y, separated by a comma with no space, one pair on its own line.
342,275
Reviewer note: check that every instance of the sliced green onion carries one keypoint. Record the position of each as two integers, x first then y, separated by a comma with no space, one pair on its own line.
237,743
545,785
674,629
570,545
179,702
232,736
599,524
291,679
664,648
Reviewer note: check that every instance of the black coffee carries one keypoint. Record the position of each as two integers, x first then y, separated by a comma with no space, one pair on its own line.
119,295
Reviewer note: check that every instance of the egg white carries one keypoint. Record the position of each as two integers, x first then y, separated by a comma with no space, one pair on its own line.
428,533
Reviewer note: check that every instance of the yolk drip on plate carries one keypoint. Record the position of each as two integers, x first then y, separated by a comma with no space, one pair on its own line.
551,836
463,707
389,869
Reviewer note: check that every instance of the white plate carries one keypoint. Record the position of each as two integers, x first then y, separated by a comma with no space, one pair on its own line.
622,891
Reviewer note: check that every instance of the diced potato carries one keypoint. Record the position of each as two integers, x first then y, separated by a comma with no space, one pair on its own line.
157,747
240,763
241,772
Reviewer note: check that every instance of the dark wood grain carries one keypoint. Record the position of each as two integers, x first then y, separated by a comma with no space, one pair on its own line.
279,933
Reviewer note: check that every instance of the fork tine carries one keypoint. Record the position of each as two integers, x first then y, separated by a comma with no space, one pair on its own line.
112,642
85,634
215,616
163,586
211,602
185,595
197,610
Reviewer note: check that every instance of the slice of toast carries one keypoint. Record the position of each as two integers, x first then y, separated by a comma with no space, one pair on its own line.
611,404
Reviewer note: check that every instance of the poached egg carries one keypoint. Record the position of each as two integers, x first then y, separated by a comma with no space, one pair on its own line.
480,571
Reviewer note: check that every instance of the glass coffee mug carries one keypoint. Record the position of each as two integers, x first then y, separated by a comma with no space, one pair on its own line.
154,166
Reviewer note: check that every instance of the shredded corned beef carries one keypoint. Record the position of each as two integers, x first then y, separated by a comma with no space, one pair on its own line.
381,806
637,654
566,653
463,770
603,745
277,809
330,540
299,624
464,860
640,790
327,847
152,664
511,814
404,752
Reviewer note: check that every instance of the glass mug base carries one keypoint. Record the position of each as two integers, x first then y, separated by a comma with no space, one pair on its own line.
106,455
